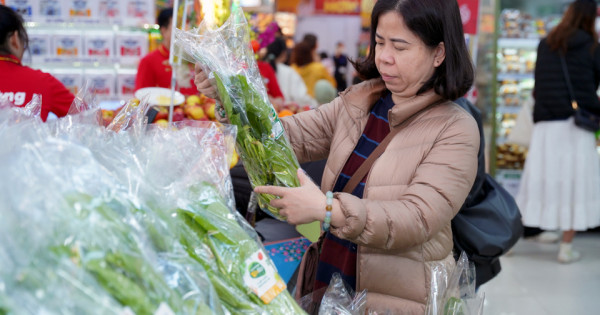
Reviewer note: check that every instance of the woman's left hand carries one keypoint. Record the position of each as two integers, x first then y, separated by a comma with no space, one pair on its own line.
298,205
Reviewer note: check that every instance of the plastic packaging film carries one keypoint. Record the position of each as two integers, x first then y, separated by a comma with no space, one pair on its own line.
131,220
226,55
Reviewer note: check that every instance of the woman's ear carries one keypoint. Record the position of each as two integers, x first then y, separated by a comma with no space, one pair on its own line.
440,54
15,45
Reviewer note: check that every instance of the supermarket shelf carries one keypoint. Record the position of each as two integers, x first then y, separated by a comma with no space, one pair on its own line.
508,109
514,76
519,42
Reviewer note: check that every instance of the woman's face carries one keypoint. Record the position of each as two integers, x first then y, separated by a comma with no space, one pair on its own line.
401,57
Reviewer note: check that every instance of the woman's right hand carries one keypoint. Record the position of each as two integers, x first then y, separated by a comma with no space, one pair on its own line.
203,84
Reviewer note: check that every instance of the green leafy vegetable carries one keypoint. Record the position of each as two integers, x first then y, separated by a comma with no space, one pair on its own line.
266,153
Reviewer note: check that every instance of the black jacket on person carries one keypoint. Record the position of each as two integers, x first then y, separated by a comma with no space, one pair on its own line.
552,101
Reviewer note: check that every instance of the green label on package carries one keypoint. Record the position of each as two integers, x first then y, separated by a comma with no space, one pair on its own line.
277,129
262,278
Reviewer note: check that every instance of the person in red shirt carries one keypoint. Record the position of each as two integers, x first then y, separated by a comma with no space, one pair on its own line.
269,78
19,83
154,69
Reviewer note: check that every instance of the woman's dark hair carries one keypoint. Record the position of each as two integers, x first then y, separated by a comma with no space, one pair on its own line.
311,40
434,22
580,14
10,22
274,50
302,54
164,17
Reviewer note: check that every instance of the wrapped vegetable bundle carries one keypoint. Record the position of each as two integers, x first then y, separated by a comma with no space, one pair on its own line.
225,53
138,221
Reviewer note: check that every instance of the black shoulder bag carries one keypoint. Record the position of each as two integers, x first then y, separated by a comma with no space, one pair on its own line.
583,118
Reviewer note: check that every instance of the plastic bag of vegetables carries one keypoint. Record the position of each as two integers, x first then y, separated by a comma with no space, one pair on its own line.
138,221
72,240
225,53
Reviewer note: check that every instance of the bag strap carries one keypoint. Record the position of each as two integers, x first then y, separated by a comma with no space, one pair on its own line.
568,80
366,165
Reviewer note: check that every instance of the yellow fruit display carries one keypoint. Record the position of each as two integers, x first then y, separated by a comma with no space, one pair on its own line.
210,111
193,99
234,159
196,112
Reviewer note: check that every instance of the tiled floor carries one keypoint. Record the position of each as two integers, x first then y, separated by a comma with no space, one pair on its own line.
533,282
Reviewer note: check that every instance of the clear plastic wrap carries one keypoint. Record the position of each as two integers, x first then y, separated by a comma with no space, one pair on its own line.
132,115
103,222
226,55
336,299
341,300
453,290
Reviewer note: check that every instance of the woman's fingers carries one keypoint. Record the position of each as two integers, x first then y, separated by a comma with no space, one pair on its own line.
202,82
272,190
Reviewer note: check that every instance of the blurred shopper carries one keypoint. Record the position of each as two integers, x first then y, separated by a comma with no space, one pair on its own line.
560,186
388,229
324,92
327,62
19,83
340,61
313,44
291,84
310,70
154,69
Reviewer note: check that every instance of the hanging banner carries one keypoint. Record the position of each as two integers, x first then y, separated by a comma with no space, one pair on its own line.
366,7
469,13
346,7
287,6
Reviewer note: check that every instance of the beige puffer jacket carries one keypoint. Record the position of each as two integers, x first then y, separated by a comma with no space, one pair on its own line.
402,224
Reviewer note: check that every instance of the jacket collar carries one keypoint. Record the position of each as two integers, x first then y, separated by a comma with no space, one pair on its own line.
361,97
164,51
10,58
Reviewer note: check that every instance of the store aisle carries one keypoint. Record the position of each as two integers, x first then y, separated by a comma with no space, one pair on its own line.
533,282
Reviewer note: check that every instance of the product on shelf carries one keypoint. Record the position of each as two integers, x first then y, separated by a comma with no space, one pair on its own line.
71,78
99,44
79,8
26,8
102,82
510,23
131,46
126,83
40,45
49,10
511,156
67,44
507,122
137,12
109,9
509,93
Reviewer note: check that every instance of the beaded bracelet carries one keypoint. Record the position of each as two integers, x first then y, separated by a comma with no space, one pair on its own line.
328,208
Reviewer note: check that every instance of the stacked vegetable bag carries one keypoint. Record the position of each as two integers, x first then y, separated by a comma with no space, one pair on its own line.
136,221
225,54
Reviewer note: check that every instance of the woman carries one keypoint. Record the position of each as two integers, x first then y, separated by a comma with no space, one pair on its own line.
395,225
560,187
310,70
19,83
291,84
154,69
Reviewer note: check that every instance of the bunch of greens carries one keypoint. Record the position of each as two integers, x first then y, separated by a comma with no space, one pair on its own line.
105,223
214,237
226,54
266,154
